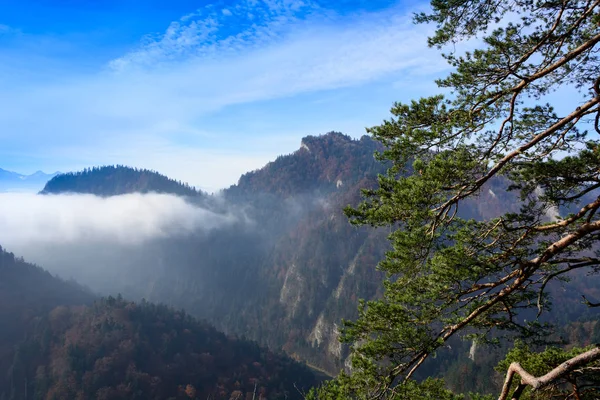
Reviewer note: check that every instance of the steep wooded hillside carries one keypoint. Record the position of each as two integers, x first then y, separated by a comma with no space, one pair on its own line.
26,292
58,342
116,349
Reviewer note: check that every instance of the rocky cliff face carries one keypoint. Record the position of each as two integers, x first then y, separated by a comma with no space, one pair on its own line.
319,265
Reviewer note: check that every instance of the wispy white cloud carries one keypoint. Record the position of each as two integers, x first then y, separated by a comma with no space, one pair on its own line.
178,83
100,241
8,30
308,47
211,32
29,220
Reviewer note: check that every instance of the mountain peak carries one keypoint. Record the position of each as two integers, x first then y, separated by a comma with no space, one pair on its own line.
327,139
319,164
10,180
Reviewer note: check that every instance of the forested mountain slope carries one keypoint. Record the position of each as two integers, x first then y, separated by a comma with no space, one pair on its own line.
26,292
292,268
116,349
58,342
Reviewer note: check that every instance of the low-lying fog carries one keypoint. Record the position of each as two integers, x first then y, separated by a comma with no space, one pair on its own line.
93,239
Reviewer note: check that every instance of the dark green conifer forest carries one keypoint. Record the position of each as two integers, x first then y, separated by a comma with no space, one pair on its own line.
113,180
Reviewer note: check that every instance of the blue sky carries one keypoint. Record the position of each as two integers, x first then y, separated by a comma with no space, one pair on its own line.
199,91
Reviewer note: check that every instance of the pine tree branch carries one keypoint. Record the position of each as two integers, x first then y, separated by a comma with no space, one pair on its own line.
527,270
589,303
567,221
580,194
540,382
513,154
557,273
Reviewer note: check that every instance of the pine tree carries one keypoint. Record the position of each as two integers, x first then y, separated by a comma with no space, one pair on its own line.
449,275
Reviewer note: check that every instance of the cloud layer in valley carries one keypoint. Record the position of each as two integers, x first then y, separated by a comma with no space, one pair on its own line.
28,220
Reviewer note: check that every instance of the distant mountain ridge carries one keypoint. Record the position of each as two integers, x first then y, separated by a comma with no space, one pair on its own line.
13,181
113,180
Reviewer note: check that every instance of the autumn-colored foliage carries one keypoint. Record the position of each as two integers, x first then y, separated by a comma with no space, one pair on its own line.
116,349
